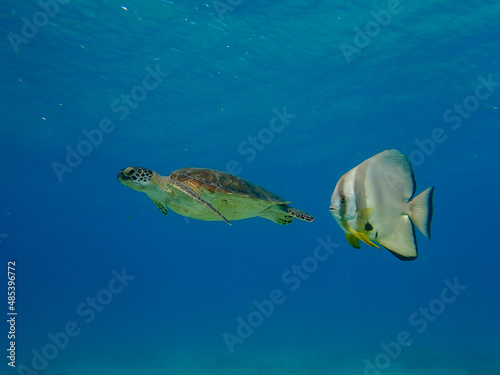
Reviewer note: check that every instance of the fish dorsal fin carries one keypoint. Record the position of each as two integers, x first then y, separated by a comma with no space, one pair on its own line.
187,190
397,172
401,241
353,240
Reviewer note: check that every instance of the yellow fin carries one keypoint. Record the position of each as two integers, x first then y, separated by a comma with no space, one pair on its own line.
363,237
365,213
353,240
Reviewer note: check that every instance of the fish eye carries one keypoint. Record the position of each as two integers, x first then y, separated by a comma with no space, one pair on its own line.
342,199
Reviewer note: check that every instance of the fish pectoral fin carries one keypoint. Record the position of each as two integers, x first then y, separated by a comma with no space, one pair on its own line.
161,206
366,213
353,240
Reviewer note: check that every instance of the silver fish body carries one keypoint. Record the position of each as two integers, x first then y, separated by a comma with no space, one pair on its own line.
374,203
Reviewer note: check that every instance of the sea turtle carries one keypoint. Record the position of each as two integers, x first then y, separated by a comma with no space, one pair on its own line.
210,195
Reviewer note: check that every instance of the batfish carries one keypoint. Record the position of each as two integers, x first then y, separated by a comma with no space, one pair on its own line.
374,203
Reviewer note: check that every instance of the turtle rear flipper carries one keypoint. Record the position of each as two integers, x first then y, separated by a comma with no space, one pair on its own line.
301,215
277,216
283,214
186,189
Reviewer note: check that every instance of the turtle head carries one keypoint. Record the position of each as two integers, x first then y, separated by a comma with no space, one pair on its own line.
136,178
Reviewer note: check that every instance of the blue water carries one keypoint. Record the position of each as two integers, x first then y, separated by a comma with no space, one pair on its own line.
171,84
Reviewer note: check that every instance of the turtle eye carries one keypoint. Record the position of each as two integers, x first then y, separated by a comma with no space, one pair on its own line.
130,171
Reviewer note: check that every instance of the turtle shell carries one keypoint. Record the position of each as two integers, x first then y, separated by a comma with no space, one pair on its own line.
224,183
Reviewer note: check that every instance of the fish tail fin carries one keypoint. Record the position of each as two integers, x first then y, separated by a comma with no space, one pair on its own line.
421,211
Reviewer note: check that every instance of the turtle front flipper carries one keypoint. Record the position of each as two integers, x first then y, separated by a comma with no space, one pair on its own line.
187,190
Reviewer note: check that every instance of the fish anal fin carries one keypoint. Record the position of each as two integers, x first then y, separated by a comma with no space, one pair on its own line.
401,242
402,257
